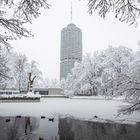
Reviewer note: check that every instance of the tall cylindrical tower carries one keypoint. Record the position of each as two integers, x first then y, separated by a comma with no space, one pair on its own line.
71,48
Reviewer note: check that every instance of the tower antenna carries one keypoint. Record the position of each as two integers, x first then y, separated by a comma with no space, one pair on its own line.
71,13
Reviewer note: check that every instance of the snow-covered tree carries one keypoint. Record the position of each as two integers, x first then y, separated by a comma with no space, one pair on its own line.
116,64
21,72
3,67
85,77
35,72
131,85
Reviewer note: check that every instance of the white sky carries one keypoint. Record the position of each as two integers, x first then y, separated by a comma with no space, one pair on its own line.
98,34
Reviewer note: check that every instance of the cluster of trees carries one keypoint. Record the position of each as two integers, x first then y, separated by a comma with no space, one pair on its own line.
15,69
16,72
115,71
14,15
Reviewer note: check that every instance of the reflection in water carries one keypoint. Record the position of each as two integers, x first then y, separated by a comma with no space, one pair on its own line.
47,130
17,128
28,128
31,128
72,129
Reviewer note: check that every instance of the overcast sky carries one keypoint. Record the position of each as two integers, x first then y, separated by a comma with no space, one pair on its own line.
97,33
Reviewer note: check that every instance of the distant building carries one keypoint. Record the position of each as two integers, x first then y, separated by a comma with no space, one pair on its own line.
71,48
41,91
56,91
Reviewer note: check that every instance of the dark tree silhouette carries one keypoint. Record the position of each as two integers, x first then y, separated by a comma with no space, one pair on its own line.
30,82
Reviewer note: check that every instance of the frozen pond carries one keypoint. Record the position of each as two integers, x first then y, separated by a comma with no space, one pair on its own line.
79,108
69,128
67,119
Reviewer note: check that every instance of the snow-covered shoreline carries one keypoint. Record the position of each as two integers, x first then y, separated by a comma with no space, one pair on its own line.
100,97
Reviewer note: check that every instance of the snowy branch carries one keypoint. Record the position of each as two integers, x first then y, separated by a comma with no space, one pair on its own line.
13,16
125,10
130,108
30,8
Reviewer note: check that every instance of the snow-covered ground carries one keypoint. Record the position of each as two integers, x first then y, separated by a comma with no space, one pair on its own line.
103,109
99,97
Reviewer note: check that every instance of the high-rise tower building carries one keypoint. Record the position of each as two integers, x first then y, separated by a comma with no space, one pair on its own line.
71,48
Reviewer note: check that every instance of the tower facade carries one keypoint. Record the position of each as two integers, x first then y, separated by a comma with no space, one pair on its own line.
71,48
